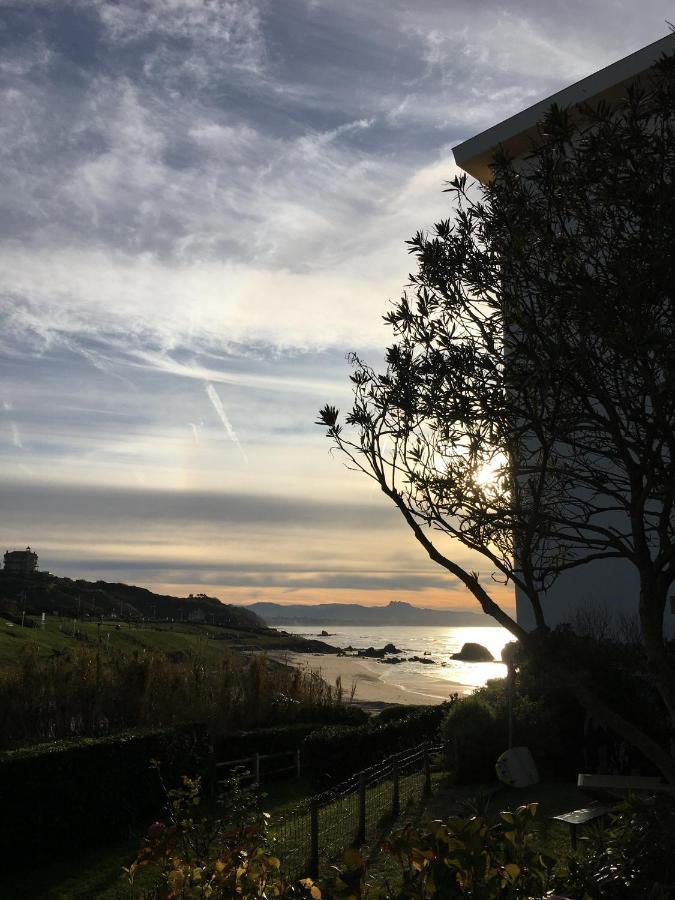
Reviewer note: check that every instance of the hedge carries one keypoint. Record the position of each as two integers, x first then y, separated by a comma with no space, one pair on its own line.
334,753
62,796
279,739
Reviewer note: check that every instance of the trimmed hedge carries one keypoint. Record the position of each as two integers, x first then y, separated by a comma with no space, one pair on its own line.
62,796
334,753
277,739
285,737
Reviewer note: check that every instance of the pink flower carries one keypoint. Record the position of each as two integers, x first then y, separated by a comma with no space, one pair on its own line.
156,830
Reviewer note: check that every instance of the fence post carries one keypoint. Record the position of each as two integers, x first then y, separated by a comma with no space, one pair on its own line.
427,774
313,837
256,765
361,832
395,794
297,763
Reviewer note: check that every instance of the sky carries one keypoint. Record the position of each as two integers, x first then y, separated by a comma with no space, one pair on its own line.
204,208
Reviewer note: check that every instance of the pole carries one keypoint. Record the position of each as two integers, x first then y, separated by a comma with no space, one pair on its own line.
313,838
511,689
395,789
361,832
297,763
256,763
427,774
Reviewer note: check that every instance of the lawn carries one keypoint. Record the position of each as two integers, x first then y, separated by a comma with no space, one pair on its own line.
59,634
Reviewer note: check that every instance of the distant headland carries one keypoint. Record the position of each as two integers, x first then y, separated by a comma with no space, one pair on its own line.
394,613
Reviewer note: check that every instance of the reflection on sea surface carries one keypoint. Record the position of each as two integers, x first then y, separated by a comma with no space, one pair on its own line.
437,643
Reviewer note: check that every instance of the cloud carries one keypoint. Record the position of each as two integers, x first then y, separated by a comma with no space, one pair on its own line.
219,193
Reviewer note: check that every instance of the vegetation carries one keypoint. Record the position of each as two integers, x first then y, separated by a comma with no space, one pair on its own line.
335,752
44,592
69,794
526,412
87,692
469,855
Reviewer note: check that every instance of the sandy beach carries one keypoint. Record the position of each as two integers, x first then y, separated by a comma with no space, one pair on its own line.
376,685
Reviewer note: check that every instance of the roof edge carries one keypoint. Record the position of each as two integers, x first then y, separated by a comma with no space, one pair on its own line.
474,154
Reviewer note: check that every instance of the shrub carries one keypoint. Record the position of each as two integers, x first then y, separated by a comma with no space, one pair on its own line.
190,854
633,856
475,738
59,796
459,857
336,752
394,713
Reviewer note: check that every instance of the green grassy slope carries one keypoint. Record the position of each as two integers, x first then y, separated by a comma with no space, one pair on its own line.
208,641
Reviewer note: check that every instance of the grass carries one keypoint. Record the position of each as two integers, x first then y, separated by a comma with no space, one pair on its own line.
552,796
60,634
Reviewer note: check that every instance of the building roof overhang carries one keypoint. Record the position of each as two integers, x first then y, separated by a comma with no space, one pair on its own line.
517,133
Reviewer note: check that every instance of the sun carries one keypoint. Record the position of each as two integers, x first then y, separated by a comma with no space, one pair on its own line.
491,473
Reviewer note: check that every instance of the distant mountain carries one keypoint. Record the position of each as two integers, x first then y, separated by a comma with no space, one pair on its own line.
44,592
395,613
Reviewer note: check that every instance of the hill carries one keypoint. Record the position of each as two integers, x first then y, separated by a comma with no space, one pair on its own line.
395,613
51,594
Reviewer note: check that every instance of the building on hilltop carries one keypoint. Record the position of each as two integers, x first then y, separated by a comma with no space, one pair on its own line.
611,584
21,562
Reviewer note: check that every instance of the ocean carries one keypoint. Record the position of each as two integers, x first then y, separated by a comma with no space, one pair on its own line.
435,642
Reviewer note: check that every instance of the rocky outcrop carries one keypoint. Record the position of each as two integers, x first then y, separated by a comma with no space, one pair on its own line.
474,653
372,653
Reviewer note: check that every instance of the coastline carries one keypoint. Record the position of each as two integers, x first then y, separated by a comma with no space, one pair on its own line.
376,685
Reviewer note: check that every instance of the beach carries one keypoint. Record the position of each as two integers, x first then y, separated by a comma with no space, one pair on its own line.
425,674
376,685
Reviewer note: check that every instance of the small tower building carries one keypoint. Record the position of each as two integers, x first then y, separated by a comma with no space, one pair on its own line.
21,562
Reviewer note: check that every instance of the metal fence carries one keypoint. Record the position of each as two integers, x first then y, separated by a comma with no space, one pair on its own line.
354,812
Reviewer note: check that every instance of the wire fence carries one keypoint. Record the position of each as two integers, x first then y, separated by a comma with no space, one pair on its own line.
354,812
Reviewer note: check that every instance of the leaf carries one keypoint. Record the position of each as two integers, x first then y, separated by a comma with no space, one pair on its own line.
512,871
352,858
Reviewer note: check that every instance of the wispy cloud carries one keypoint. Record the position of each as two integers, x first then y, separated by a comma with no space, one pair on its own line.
209,197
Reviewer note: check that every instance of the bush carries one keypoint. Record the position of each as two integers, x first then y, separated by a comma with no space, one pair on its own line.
190,854
334,753
459,857
394,713
277,739
61,796
475,738
633,856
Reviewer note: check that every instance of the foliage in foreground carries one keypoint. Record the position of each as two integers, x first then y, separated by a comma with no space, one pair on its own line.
193,855
88,693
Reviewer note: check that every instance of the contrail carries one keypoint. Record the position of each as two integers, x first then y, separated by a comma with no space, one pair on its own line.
222,415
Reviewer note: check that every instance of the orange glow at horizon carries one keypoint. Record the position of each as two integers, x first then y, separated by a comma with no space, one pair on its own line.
427,599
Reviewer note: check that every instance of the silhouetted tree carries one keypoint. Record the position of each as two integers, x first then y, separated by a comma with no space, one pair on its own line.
527,410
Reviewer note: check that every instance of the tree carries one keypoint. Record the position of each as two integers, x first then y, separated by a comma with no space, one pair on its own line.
527,410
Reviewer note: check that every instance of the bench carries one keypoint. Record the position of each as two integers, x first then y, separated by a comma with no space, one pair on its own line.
622,785
582,816
614,786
